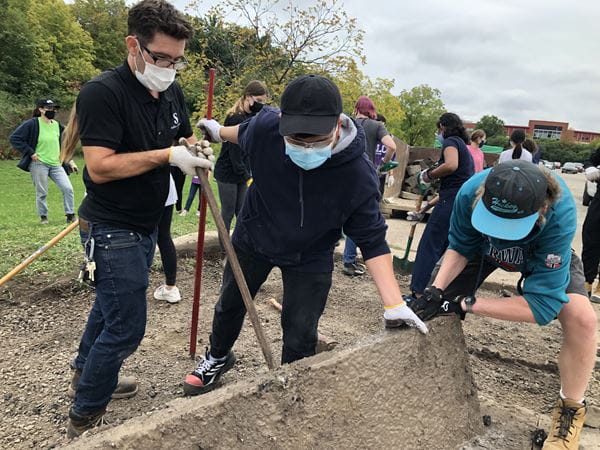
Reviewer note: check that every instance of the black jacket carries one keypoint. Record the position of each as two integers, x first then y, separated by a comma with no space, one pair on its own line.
233,166
25,139
294,217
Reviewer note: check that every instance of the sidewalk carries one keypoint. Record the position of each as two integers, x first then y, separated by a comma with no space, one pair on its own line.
397,236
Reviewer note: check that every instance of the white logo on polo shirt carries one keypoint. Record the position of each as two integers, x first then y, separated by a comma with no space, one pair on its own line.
175,121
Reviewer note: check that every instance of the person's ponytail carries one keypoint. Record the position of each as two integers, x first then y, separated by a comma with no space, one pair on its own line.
517,151
517,137
70,137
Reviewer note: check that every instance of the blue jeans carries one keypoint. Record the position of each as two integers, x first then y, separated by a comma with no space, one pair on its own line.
117,321
349,251
40,173
433,243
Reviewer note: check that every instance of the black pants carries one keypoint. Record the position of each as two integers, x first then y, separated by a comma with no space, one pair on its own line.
194,188
179,179
382,184
168,255
304,298
591,241
232,198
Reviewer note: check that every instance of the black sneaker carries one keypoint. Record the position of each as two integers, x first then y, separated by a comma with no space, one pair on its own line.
79,424
207,374
354,269
70,218
44,220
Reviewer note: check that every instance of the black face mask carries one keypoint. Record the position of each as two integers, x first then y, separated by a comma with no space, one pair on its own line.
50,114
482,143
256,107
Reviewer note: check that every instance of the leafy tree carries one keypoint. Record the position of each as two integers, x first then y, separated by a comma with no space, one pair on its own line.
498,140
17,65
63,50
553,150
321,35
353,83
492,125
106,23
422,107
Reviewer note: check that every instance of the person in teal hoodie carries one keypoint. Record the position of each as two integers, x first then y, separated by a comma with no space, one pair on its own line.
521,218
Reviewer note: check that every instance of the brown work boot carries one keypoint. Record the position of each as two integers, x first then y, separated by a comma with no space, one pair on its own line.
588,288
567,421
79,424
127,387
595,297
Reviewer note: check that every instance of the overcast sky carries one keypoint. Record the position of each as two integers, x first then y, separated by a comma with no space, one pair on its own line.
517,59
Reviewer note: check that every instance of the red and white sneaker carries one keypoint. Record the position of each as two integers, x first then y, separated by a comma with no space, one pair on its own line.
207,374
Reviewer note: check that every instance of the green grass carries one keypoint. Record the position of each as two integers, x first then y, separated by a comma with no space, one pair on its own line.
21,232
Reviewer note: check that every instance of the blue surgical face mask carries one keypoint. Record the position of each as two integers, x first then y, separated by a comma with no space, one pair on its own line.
308,158
440,137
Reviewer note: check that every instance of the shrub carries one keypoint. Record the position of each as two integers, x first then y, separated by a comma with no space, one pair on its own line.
12,112
564,151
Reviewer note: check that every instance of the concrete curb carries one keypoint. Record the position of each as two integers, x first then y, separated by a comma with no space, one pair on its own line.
397,389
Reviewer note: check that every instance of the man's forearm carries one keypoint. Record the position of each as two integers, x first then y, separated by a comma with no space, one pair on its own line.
452,265
390,146
230,134
382,271
117,166
515,309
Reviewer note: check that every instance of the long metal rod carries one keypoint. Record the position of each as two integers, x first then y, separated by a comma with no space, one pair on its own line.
201,233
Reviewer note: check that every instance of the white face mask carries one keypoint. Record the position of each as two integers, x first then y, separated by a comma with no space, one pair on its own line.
155,78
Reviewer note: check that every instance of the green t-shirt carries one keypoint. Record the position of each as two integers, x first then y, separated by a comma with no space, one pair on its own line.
48,145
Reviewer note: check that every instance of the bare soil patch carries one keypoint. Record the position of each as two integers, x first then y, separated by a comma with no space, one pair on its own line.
40,326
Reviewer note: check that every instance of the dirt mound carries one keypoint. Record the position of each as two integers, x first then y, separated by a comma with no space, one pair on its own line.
394,390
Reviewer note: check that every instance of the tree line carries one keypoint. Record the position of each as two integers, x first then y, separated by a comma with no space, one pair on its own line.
552,150
50,48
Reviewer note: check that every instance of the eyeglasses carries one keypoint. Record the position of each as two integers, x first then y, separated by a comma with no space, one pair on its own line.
161,61
315,145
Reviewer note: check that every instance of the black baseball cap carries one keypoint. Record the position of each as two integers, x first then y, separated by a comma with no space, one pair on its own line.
46,102
509,208
310,104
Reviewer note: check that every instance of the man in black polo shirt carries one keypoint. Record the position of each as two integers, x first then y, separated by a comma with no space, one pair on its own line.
129,118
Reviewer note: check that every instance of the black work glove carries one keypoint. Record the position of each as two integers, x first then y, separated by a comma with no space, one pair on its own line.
450,307
428,305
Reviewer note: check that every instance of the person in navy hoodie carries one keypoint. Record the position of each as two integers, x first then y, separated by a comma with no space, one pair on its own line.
311,180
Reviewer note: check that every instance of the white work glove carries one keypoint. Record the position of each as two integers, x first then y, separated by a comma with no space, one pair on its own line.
413,216
424,180
403,313
211,129
389,182
73,167
592,173
183,158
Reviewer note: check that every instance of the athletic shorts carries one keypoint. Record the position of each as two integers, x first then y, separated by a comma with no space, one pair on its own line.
473,275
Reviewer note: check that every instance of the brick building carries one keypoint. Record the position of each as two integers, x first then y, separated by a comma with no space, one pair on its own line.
544,129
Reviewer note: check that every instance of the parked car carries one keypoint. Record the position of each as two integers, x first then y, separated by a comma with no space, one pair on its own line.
589,191
547,164
569,167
